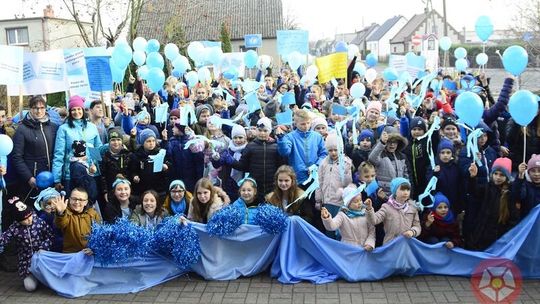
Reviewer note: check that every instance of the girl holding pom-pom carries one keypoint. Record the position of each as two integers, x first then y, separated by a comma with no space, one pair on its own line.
248,199
207,200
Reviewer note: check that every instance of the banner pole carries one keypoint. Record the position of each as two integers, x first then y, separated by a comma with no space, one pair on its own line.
20,103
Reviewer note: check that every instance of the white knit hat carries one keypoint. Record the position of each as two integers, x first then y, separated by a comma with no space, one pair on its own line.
238,130
266,122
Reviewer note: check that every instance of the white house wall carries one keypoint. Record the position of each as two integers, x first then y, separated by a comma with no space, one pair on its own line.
384,50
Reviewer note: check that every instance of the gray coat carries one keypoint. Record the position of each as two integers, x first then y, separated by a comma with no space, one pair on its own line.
389,165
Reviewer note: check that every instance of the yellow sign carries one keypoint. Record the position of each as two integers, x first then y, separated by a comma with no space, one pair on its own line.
332,66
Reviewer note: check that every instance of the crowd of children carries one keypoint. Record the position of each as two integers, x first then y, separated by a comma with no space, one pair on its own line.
371,180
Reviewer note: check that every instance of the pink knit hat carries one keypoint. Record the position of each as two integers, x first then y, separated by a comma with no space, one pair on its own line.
76,102
504,165
534,162
374,105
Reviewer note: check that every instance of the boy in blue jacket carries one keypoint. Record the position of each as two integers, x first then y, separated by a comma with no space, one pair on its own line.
303,150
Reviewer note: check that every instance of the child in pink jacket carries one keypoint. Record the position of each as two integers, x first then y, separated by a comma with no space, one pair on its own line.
399,214
351,221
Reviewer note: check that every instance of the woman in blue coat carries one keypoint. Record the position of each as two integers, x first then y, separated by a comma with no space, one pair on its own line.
76,127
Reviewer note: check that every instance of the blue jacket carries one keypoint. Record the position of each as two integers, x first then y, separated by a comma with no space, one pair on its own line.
62,147
302,149
186,165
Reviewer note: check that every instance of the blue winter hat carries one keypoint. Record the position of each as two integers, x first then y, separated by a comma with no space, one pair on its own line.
396,182
445,144
438,199
177,183
366,133
146,134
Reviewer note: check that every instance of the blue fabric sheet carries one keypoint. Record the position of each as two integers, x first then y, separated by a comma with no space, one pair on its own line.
300,253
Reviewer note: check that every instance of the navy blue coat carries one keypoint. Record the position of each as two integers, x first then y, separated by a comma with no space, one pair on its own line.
33,148
186,165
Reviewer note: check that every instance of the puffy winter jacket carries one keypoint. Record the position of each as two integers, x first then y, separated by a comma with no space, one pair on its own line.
111,165
33,147
261,160
302,150
331,183
142,166
62,147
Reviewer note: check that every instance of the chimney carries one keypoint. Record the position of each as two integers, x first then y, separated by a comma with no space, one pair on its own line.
48,12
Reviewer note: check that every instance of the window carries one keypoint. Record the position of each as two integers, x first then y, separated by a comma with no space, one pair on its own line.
17,36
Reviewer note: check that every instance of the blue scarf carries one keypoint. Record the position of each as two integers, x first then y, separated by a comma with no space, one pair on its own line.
179,207
355,213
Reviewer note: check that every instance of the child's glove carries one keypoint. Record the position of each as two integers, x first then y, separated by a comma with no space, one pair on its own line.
227,158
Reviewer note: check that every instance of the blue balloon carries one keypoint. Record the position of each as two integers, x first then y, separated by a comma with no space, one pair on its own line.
469,108
139,58
155,60
192,78
122,55
371,60
515,60
523,106
481,59
357,90
214,55
460,53
152,46
143,72
156,78
483,28
176,73
231,73
360,68
171,51
341,46
117,72
6,145
445,43
461,65
44,179
390,74
250,59
181,63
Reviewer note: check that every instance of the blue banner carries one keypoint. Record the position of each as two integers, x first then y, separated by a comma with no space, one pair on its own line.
290,41
99,73
300,253
253,41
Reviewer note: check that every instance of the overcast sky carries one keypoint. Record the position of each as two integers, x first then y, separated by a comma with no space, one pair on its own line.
328,17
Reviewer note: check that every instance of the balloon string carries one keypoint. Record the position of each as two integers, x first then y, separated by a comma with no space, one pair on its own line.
524,142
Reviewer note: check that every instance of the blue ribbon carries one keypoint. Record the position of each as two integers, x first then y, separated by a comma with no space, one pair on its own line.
472,146
429,134
313,176
427,193
246,178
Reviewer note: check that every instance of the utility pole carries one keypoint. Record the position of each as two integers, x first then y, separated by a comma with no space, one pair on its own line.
444,17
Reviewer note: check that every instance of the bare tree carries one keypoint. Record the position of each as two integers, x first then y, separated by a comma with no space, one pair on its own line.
289,21
526,24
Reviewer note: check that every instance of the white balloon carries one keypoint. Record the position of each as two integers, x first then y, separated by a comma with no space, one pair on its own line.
195,51
264,62
371,75
312,71
310,59
295,60
204,75
352,51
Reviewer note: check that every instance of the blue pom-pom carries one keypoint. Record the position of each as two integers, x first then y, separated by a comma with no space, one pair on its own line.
119,242
225,221
271,219
181,242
